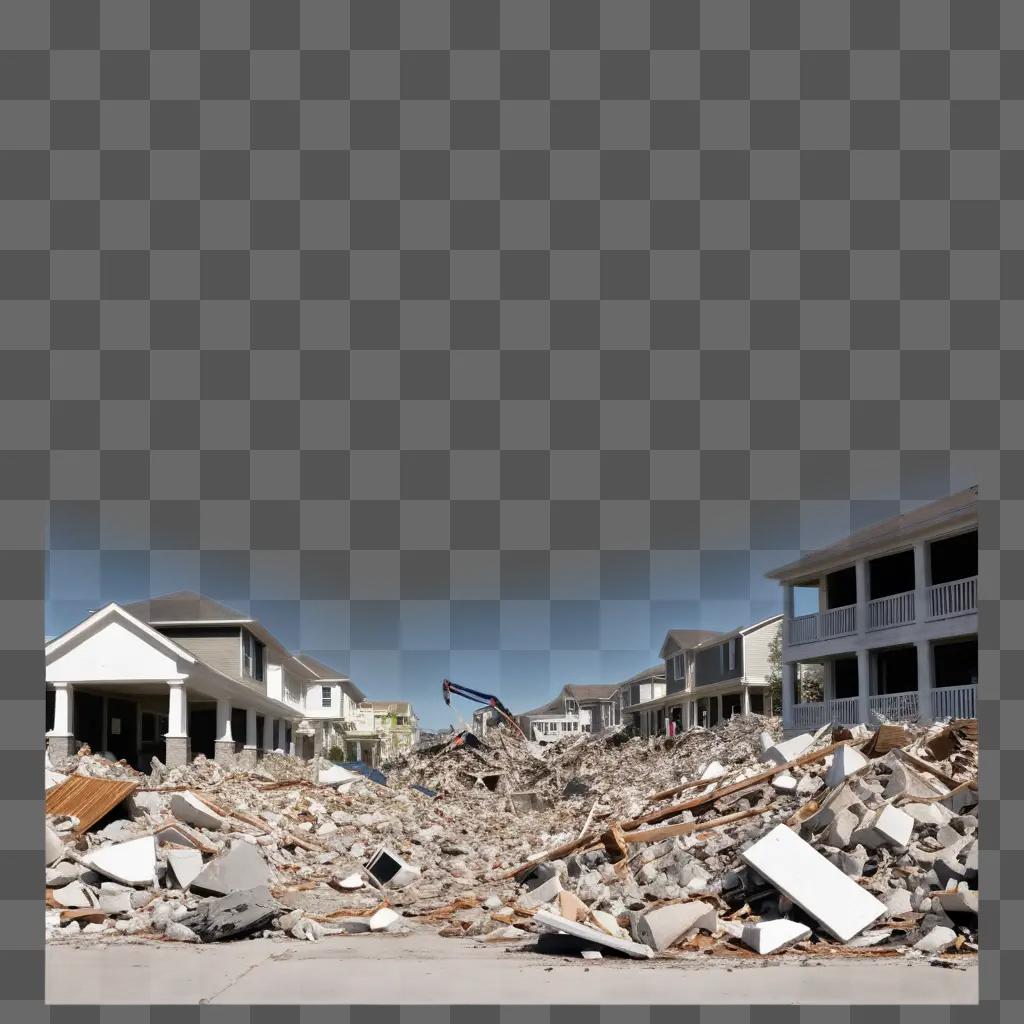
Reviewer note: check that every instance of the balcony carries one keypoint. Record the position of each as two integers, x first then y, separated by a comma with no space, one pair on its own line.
894,610
946,600
955,701
896,707
941,601
814,715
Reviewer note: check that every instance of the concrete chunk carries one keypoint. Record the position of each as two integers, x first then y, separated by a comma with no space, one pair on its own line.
190,809
543,893
904,781
844,825
54,846
383,919
768,936
234,916
788,750
558,923
74,895
845,761
661,927
784,783
798,871
132,863
887,827
239,868
898,903
186,865
938,939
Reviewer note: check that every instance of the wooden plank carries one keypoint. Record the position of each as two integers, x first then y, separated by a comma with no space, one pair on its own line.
654,835
695,784
88,799
736,787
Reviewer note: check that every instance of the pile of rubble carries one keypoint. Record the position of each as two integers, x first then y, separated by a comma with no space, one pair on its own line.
725,841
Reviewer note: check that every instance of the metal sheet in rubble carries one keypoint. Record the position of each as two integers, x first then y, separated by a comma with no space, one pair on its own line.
88,799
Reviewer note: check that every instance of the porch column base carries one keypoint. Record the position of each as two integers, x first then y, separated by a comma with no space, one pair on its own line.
246,757
60,747
224,752
178,751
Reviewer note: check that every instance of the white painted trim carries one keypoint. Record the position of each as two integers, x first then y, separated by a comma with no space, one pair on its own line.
115,609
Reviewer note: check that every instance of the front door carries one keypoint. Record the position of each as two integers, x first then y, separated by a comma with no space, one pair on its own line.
122,733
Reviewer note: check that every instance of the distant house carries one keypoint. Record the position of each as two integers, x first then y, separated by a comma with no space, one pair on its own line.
330,716
577,708
710,677
896,620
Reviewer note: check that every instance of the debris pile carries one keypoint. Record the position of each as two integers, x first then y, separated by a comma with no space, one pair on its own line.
723,841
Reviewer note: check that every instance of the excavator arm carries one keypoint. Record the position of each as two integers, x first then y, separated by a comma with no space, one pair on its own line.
448,688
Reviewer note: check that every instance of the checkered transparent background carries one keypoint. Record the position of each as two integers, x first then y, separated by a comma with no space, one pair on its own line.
476,320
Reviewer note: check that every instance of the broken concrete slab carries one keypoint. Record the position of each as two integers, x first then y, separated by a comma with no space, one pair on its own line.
581,931
145,802
116,902
54,845
241,867
898,903
768,936
788,750
308,929
905,782
845,761
186,865
132,863
541,894
798,871
51,779
178,932
888,826
957,901
937,940
661,927
74,895
338,776
349,882
844,825
784,783
63,873
233,916
383,919
187,807
928,814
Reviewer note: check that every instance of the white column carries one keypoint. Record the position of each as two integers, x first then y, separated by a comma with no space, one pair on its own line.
177,715
925,678
829,681
864,686
250,729
922,578
63,703
291,742
224,721
745,700
279,745
860,570
788,688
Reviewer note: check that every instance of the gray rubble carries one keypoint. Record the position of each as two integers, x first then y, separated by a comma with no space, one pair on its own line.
493,852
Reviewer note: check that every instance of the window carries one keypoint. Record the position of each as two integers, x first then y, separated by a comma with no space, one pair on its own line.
732,654
325,696
252,656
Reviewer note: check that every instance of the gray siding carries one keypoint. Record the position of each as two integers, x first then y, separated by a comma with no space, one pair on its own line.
672,683
223,653
713,668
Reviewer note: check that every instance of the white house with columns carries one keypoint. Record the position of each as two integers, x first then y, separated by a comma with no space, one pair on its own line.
895,625
175,676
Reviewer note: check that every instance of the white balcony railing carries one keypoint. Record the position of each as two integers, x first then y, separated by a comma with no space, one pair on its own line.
960,597
839,621
894,610
954,701
810,716
896,707
803,629
844,711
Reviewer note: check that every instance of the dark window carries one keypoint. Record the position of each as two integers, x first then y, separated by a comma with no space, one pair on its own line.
252,656
891,574
325,696
956,664
841,588
954,558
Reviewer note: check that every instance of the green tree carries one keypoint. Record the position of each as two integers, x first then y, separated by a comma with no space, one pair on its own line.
775,672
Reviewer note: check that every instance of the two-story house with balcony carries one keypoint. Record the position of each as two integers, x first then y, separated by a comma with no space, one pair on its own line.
172,677
577,708
710,677
329,713
893,620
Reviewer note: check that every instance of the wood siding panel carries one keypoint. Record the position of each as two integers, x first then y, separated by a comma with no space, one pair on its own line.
755,651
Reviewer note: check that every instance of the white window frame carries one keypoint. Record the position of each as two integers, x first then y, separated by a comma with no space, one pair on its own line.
326,697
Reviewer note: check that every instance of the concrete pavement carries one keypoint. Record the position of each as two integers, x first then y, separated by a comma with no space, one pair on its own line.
419,969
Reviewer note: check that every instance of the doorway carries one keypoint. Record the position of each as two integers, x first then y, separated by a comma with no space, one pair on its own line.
202,730
896,670
122,730
844,677
88,720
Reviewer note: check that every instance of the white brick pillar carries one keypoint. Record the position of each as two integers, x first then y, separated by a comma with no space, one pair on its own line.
788,688
925,679
224,742
63,701
176,743
177,709
864,686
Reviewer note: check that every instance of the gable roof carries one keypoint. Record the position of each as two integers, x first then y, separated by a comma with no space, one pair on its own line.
685,639
113,610
597,691
961,507
720,638
183,607
654,672
327,674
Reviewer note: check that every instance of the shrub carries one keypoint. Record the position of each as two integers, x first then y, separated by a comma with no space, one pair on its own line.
336,754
